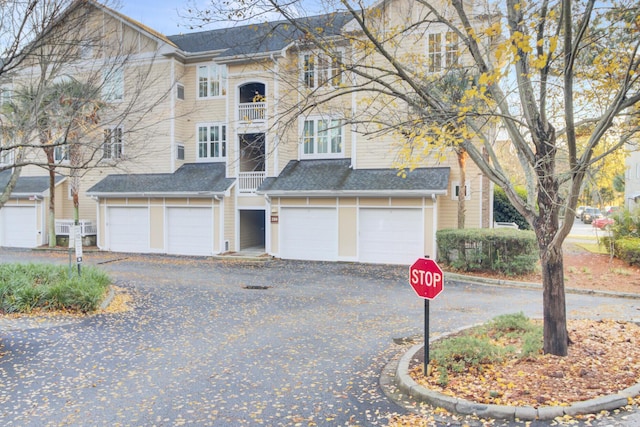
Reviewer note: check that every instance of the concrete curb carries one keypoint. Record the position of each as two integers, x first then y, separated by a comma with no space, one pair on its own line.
475,280
408,386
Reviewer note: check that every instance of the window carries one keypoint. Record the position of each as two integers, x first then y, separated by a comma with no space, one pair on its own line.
212,142
180,152
212,80
456,191
180,91
322,138
61,153
319,69
112,148
436,48
451,49
5,95
113,85
6,155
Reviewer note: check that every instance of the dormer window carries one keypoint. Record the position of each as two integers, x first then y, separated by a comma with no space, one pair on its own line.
320,69
212,80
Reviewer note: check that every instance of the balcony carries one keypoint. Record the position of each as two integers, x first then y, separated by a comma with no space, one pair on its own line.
248,182
64,227
252,111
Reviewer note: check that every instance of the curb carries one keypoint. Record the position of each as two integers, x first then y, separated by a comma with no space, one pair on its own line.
408,386
475,280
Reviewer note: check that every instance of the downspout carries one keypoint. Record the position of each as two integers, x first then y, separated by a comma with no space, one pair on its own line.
172,119
434,201
276,115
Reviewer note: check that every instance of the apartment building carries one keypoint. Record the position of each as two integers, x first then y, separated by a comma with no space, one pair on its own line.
228,161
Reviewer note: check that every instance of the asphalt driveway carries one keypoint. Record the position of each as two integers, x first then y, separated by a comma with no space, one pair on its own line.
227,343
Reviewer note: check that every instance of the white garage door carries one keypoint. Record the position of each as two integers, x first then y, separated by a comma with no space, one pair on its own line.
18,226
128,229
309,234
390,236
190,231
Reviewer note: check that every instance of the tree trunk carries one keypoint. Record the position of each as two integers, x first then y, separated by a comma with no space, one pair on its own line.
52,197
556,337
462,192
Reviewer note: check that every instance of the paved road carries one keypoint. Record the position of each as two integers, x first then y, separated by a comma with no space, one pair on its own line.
205,345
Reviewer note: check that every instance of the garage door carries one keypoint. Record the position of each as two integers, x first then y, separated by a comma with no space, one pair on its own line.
309,234
18,226
128,229
190,231
390,236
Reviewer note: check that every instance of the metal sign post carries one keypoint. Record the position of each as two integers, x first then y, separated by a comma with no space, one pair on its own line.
427,280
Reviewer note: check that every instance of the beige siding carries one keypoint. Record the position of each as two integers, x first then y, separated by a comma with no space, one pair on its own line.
156,223
347,232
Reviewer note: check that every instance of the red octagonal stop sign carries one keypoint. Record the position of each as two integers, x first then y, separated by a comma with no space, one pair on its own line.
426,278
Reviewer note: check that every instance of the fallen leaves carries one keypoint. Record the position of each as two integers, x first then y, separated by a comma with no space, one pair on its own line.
603,359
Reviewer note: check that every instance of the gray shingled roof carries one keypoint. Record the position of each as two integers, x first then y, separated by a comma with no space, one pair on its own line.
336,176
192,178
257,38
29,185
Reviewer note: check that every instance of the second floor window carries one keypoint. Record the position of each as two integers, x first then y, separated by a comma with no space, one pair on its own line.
322,138
5,95
112,148
212,80
6,154
442,46
212,142
319,69
61,153
113,85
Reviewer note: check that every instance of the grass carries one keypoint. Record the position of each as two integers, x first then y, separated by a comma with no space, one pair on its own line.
596,248
28,287
487,344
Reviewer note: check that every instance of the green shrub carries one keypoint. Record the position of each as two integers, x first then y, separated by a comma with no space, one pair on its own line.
505,250
25,287
503,210
477,346
627,224
628,250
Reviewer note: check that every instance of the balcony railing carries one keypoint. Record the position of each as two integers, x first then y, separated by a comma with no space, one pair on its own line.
252,111
248,182
64,227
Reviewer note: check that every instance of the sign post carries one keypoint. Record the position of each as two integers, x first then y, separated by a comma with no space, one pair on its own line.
78,244
427,280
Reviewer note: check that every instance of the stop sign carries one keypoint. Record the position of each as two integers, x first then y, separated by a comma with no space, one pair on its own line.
426,278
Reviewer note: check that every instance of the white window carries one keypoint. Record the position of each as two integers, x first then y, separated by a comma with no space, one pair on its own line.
5,95
61,153
319,69
180,152
322,138
442,46
212,80
455,190
6,154
113,85
113,146
212,142
180,91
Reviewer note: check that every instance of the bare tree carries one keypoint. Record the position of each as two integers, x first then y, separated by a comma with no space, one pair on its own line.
79,90
541,70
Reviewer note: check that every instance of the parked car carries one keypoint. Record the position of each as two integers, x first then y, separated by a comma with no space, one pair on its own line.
603,223
579,211
590,214
612,210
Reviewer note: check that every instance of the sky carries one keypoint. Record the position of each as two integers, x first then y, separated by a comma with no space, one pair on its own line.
160,15
165,15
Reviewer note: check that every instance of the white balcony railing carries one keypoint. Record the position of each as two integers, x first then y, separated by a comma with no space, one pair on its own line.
64,227
248,182
252,111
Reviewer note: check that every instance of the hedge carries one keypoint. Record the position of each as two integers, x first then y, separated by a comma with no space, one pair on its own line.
626,249
509,251
503,210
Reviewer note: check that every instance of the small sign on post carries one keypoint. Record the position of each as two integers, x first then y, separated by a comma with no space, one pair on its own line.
427,280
